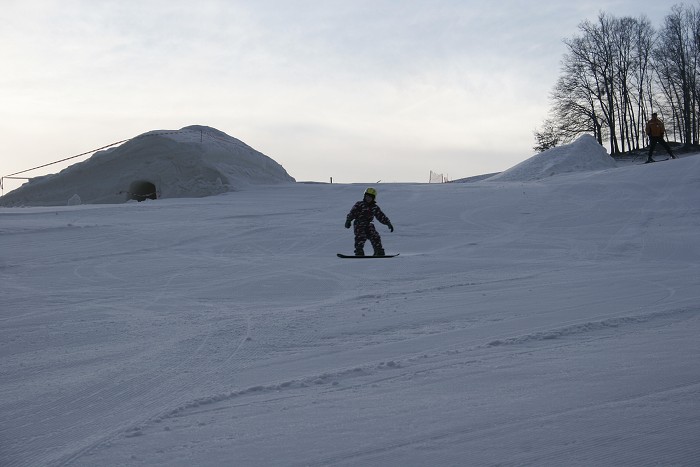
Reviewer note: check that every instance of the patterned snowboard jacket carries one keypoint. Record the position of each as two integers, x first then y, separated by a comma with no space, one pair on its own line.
363,213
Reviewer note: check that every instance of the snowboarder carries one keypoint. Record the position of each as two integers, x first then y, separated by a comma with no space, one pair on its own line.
655,131
363,212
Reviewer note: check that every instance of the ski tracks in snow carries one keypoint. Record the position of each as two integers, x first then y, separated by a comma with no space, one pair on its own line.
429,350
442,364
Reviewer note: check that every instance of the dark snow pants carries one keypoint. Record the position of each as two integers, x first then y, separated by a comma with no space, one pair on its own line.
364,233
654,140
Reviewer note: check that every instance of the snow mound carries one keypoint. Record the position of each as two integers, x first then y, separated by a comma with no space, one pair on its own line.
192,162
583,155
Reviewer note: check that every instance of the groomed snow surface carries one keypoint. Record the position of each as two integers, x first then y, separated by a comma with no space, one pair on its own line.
547,320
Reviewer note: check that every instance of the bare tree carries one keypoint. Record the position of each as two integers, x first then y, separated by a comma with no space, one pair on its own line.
548,137
594,92
643,96
574,103
676,63
618,71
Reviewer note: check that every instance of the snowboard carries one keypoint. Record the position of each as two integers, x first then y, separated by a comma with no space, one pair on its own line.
660,160
340,255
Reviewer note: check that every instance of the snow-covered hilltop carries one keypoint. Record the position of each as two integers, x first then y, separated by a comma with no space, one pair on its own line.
583,155
194,161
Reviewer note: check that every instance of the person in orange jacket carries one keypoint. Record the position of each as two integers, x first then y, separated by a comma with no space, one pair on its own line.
655,130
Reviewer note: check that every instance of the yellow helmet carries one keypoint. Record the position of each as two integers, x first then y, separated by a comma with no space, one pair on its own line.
372,192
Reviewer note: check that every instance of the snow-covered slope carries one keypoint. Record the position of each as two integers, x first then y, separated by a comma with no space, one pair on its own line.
533,323
584,154
194,161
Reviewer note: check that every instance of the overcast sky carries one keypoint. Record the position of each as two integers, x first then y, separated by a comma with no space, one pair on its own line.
357,90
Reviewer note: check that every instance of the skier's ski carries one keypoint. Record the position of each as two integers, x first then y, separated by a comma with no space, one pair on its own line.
340,255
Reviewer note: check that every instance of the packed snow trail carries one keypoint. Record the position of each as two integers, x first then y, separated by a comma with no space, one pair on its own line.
546,322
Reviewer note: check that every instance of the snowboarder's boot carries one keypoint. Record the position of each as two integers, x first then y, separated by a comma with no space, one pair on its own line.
379,252
649,161
359,252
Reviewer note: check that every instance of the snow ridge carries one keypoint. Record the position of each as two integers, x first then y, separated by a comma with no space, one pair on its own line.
591,326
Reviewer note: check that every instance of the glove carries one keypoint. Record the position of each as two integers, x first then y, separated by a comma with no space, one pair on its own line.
391,228
348,223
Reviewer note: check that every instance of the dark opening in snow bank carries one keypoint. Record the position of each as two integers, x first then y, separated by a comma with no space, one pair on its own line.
142,190
194,161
